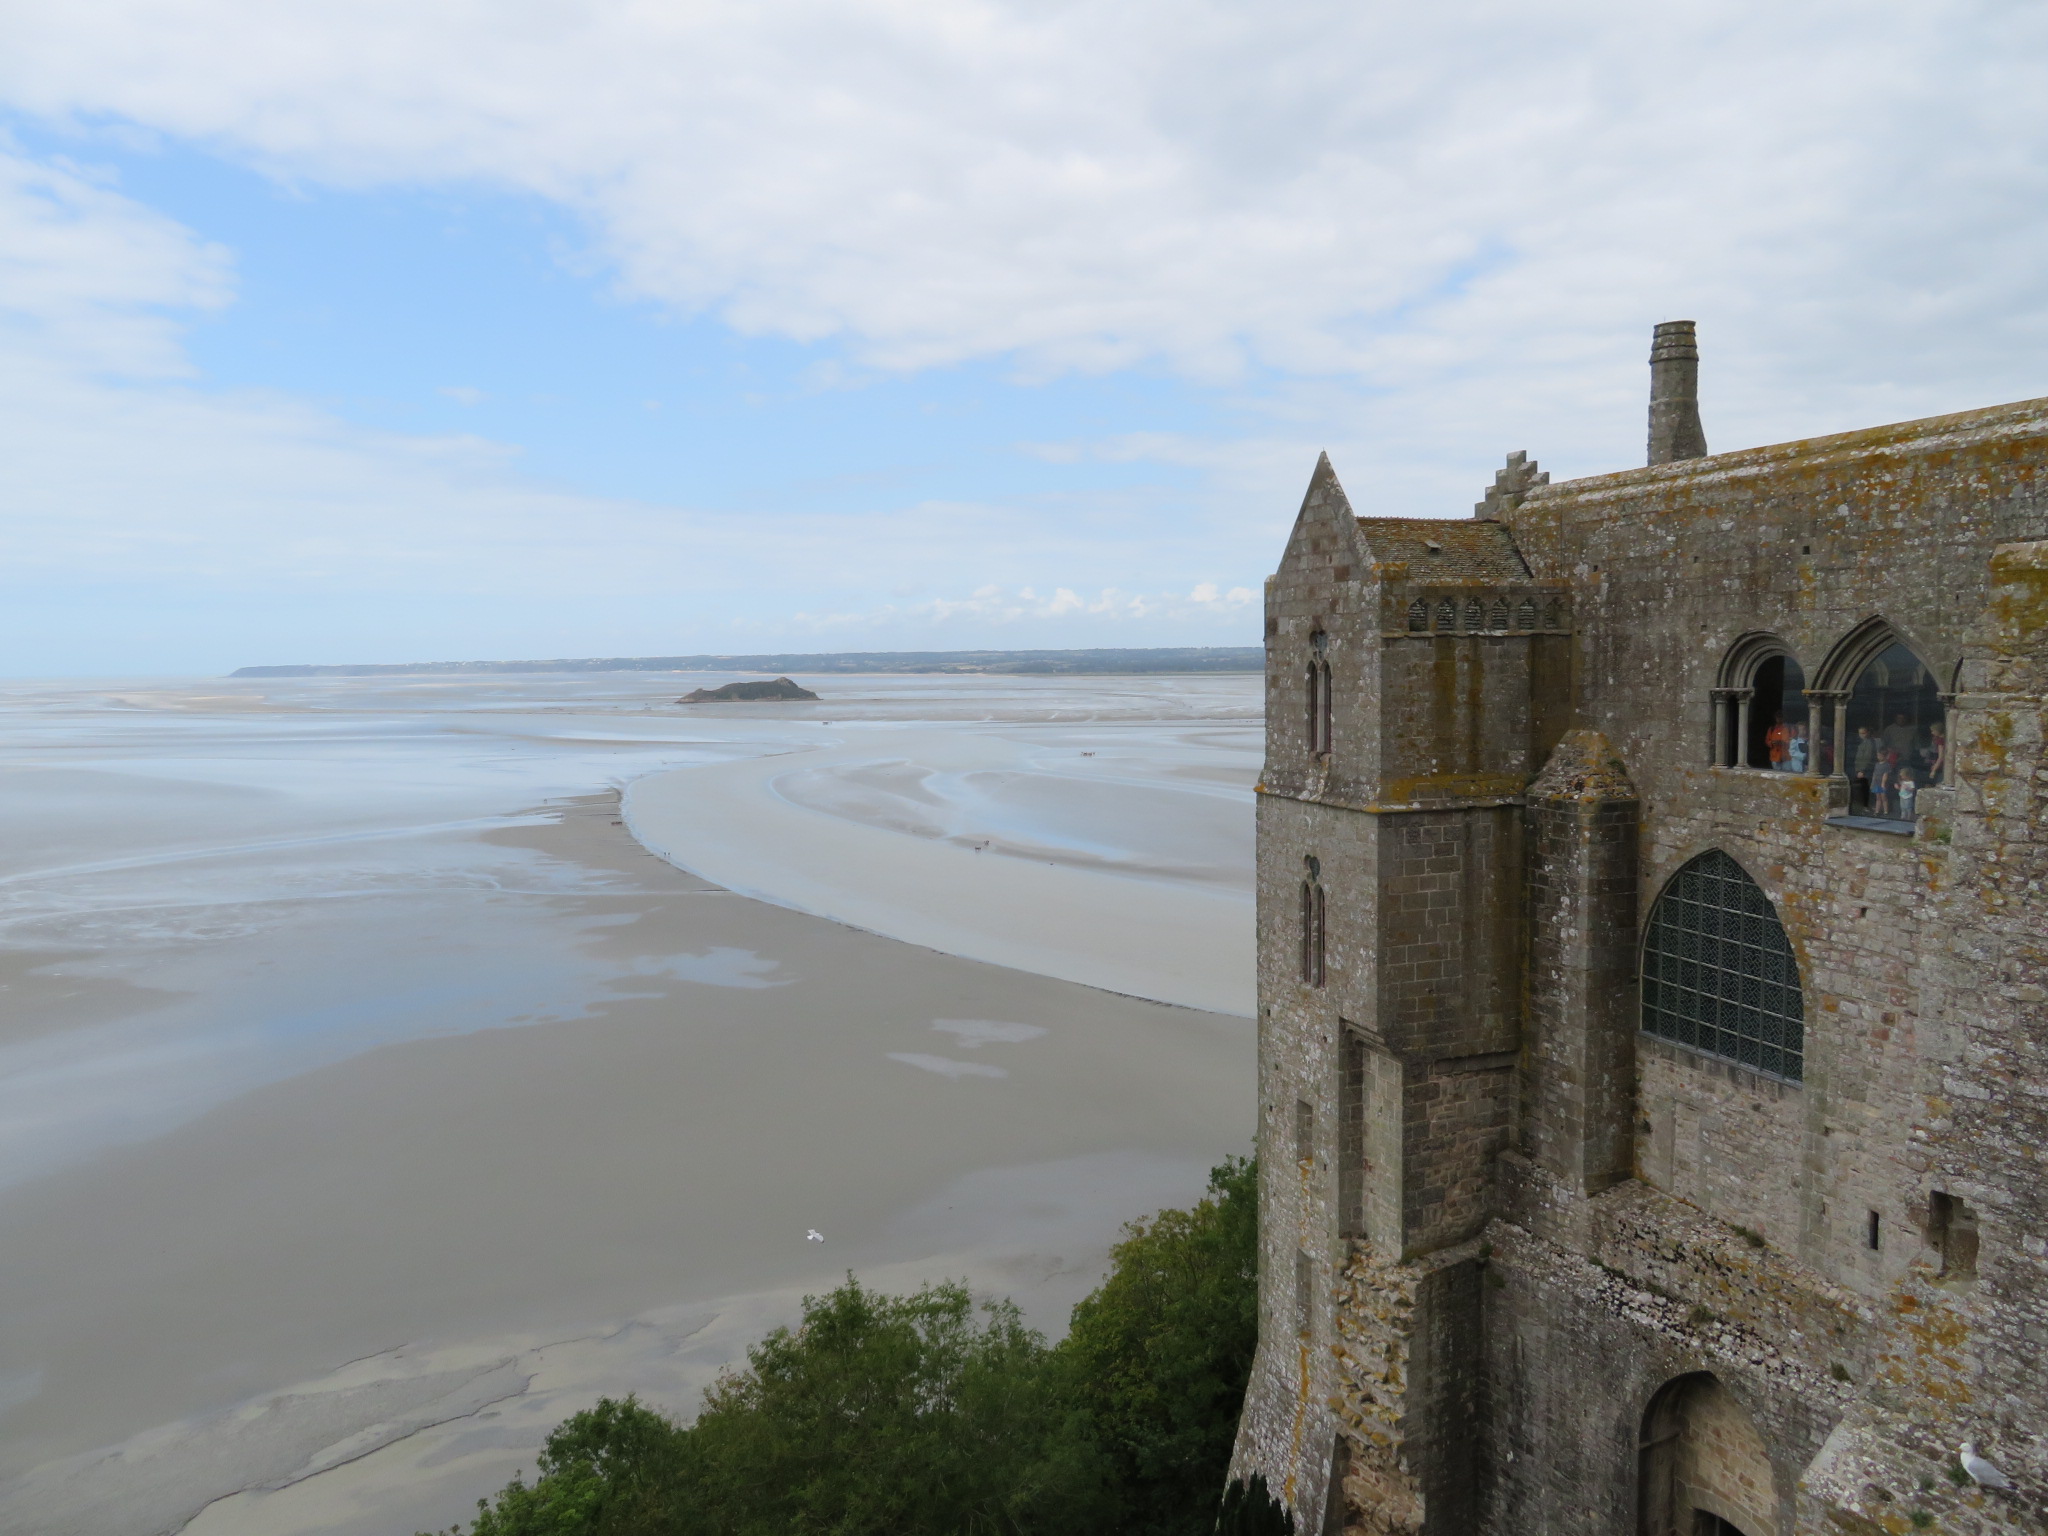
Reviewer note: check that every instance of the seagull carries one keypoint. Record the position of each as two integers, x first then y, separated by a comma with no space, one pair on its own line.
815,1236
1981,1471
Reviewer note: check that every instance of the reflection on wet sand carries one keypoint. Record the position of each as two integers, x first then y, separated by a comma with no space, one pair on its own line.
341,1168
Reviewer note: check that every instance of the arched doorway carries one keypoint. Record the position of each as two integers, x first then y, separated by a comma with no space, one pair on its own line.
1703,1469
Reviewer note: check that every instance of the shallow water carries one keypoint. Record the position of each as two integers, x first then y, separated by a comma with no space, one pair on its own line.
363,1084
217,883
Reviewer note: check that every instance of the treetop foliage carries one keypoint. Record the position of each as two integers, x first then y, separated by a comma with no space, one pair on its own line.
930,1415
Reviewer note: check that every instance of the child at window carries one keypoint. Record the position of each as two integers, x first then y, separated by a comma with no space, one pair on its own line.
1937,753
1882,780
1796,749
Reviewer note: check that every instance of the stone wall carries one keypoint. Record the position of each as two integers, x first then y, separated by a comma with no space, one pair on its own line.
1520,1220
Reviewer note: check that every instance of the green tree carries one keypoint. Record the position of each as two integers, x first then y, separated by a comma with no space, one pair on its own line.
886,1414
926,1415
1157,1358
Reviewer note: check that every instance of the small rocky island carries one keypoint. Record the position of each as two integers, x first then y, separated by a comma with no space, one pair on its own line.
781,688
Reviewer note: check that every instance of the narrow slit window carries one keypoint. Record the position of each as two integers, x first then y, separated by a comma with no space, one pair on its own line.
1312,926
1319,704
1304,1293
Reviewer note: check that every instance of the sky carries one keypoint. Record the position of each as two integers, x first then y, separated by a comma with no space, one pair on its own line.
403,330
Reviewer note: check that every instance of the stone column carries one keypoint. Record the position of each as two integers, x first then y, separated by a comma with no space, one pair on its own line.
1579,997
1723,755
1834,706
1740,758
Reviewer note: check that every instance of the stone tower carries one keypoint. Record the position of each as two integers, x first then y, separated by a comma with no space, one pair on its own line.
1653,972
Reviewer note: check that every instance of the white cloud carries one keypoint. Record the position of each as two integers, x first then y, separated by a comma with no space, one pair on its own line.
1419,235
991,608
1405,195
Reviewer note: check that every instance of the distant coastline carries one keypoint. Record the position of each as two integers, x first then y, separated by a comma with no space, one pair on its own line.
1188,658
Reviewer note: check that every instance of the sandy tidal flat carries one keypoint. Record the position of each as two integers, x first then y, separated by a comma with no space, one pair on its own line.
374,1111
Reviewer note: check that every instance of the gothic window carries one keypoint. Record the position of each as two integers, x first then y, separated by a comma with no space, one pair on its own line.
1446,615
1475,615
1718,972
1498,619
1525,616
1553,614
1418,616
1897,735
1312,946
1319,708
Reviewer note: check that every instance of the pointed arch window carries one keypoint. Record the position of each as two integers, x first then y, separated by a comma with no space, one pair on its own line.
1719,974
1312,922
1320,718
1890,719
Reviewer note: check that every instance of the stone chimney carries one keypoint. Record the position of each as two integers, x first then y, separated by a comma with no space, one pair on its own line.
1675,431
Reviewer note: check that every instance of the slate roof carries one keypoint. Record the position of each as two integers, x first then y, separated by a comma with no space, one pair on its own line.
1444,549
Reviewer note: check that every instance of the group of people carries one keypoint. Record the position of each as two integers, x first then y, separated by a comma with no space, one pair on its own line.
1787,745
1888,765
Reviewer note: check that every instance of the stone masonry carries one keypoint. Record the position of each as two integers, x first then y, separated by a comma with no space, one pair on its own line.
1535,1259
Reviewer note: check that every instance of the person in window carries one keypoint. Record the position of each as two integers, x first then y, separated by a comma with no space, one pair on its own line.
1777,742
1863,761
1937,753
1796,749
1900,736
1884,781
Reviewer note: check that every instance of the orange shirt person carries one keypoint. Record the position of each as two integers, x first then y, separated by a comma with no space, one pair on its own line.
1778,742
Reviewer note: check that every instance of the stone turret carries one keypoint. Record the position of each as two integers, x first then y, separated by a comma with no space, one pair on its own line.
1675,431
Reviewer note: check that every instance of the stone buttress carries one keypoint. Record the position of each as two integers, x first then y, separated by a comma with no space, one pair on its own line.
1415,681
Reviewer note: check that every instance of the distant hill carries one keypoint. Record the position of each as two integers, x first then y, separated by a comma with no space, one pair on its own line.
1184,658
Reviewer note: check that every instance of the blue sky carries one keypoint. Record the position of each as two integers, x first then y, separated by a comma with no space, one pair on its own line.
403,331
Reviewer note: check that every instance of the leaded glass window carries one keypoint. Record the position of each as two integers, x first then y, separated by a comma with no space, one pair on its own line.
1719,973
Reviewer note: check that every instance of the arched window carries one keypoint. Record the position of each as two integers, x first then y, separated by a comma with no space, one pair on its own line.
1891,720
1418,616
1553,615
1525,616
1761,717
1446,616
1475,614
1319,708
1312,967
1898,735
1498,618
1719,974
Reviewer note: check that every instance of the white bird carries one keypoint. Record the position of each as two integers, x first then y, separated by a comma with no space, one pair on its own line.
1981,1471
815,1236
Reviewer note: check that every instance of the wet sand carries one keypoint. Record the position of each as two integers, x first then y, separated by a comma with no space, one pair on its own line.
1067,853
370,1288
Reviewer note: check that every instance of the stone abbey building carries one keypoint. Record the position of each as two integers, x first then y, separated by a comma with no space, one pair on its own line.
1653,972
